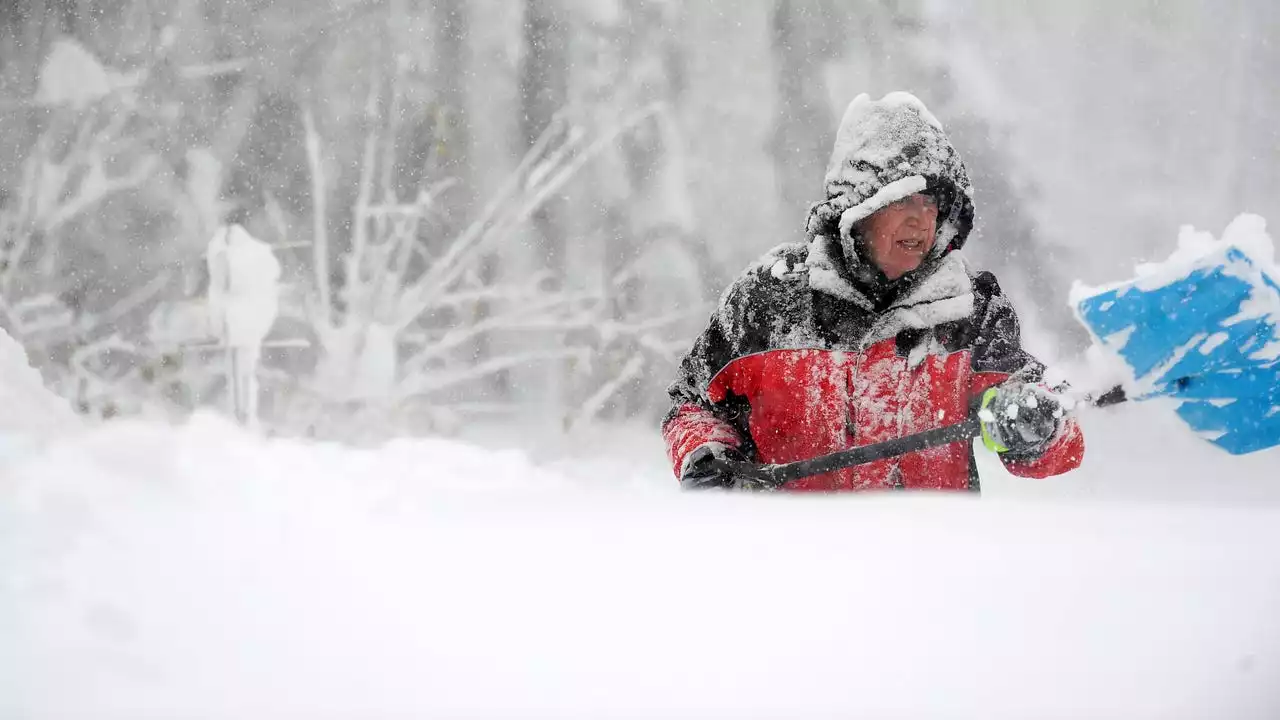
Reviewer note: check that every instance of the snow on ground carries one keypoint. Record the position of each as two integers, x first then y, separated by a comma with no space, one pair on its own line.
201,571
198,571
30,413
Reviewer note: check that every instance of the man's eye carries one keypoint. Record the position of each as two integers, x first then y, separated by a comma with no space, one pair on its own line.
928,200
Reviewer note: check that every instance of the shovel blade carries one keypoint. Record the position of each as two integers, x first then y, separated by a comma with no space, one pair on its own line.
1204,334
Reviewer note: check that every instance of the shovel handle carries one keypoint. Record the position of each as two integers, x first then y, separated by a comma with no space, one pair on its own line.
774,476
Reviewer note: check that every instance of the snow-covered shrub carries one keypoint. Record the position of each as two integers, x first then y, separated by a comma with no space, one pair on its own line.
397,324
403,335
97,218
86,153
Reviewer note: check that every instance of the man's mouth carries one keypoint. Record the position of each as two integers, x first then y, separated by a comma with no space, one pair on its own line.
911,244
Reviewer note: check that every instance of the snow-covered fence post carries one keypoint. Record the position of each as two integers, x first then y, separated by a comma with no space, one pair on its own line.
244,282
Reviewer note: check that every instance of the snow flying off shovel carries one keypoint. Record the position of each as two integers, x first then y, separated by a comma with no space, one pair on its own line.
1200,328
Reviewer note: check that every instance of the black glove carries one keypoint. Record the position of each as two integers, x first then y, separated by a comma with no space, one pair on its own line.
703,468
1020,420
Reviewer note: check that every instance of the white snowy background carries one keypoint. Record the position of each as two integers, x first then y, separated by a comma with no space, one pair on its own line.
480,233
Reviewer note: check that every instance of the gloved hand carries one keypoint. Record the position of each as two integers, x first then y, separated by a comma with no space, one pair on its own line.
1020,419
702,469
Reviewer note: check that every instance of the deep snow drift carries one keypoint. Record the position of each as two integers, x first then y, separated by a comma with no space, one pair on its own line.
200,572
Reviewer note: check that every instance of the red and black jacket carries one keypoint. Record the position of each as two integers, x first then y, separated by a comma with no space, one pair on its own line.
788,370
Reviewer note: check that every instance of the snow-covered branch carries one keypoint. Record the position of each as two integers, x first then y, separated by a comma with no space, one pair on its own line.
423,383
386,336
542,178
594,404
319,224
95,187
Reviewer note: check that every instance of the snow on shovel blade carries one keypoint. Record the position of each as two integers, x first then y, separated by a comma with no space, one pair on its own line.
1202,328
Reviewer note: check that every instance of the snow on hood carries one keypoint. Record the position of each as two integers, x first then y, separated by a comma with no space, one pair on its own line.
886,150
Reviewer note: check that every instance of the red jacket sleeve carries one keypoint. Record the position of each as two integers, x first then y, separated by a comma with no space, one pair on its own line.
694,419
692,426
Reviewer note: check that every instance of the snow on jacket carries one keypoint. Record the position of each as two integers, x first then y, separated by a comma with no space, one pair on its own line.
812,350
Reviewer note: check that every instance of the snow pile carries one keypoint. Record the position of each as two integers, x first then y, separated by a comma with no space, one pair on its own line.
1247,232
31,412
201,572
1196,249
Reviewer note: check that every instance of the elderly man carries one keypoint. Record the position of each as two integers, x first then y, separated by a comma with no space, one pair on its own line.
872,330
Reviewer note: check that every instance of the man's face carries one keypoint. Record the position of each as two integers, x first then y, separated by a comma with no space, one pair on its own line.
900,236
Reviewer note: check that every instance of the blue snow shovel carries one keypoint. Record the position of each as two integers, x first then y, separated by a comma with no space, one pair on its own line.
1206,337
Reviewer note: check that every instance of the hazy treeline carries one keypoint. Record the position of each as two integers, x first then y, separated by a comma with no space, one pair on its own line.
527,207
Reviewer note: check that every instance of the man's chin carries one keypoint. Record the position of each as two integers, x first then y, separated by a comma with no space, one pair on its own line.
907,265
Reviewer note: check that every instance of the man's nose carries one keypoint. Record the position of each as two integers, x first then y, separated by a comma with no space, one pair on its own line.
917,210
